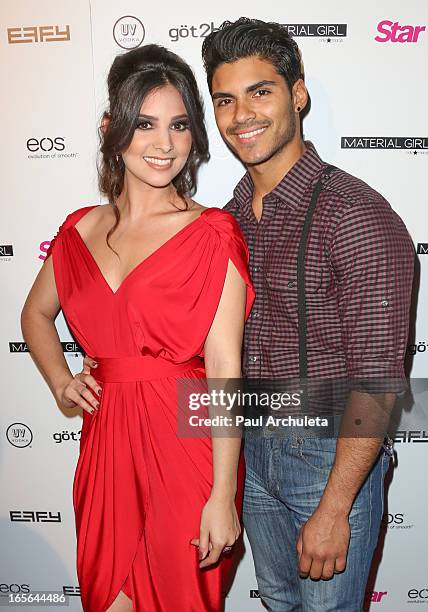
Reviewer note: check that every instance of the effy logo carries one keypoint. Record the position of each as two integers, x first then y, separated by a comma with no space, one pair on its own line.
392,31
38,34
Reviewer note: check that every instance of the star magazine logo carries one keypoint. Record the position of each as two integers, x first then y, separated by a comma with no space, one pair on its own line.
413,145
393,32
38,34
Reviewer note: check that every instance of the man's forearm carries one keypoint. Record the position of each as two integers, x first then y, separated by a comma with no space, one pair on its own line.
355,455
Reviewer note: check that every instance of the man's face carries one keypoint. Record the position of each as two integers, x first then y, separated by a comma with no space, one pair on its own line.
253,109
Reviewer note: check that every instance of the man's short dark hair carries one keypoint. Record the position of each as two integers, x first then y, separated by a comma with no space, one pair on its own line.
252,37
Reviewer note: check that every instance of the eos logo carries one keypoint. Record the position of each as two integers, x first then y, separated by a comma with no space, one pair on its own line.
45,144
128,32
19,435
392,31
14,588
397,519
34,516
38,34
418,594
396,522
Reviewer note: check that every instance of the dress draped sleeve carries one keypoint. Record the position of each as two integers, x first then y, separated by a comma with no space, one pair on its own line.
199,296
234,247
71,219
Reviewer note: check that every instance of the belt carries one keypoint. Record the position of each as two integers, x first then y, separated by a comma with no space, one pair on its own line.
141,367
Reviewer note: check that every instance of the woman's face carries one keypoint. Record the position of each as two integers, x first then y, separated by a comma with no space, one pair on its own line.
162,140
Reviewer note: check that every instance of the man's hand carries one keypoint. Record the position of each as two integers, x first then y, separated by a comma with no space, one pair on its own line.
323,545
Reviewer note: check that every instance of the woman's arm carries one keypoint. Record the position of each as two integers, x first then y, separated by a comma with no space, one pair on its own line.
220,523
39,332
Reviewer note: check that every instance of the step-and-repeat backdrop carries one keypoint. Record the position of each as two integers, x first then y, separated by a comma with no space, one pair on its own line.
365,67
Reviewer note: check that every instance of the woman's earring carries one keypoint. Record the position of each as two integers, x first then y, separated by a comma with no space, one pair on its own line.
298,109
117,158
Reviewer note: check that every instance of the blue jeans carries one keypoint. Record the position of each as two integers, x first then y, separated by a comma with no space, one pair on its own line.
284,483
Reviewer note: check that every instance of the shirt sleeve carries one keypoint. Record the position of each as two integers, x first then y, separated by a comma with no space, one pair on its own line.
373,260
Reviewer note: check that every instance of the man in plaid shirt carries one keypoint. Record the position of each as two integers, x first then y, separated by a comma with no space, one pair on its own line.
305,496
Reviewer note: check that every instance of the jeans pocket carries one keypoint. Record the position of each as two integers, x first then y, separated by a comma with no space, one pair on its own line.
318,453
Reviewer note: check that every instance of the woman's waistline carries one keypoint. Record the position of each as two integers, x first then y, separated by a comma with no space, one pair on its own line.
141,367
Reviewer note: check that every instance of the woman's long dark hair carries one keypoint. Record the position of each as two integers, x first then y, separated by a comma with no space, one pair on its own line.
133,75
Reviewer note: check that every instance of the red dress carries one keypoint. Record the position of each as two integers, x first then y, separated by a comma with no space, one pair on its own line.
139,488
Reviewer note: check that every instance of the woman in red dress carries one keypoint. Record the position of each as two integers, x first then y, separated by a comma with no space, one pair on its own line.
155,288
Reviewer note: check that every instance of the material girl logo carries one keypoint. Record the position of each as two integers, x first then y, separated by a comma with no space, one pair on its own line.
6,252
67,347
412,145
324,32
392,31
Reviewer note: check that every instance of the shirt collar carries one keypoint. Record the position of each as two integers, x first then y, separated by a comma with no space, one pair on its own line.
290,189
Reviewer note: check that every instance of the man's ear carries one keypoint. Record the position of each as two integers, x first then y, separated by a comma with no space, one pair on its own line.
105,121
299,95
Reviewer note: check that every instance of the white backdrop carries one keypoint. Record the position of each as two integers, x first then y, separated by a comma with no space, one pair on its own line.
55,57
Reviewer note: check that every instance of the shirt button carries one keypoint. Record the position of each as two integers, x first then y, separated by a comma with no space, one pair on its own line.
256,314
253,358
384,303
291,284
256,268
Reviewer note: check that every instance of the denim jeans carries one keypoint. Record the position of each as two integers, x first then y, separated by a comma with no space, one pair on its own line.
285,479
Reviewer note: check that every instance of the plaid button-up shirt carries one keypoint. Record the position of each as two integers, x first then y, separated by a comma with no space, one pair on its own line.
359,270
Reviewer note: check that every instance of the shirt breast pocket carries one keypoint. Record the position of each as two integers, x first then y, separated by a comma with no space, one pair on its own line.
281,284
284,279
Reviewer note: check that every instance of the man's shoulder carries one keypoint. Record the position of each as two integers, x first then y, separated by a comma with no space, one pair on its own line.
231,207
353,191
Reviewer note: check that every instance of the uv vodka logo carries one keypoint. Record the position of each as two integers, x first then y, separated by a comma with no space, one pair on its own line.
392,31
19,435
128,32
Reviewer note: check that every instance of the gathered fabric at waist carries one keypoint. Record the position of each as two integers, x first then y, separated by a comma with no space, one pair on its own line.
141,367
